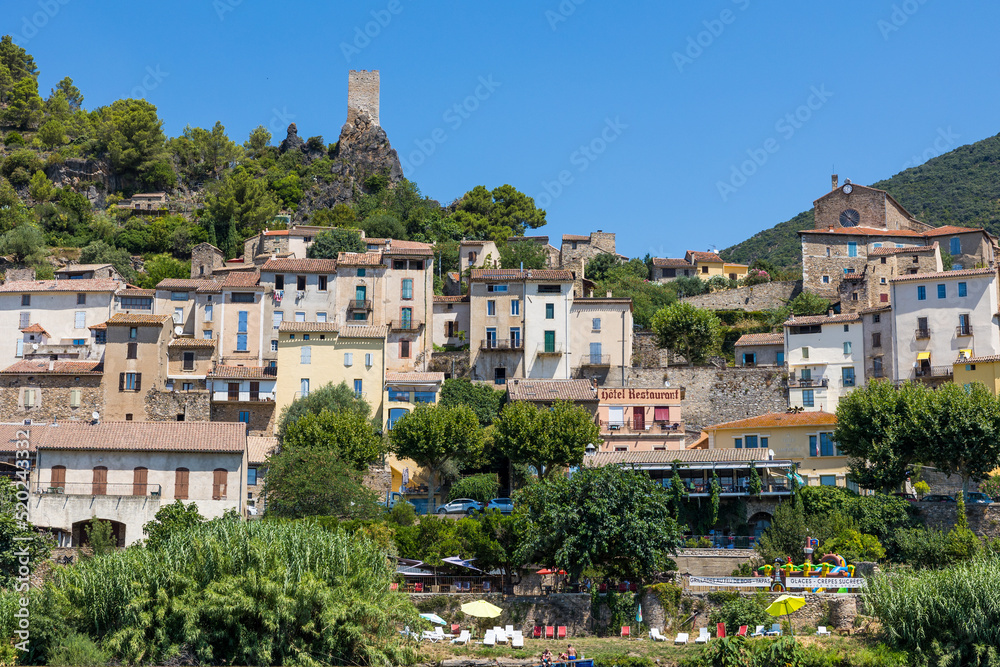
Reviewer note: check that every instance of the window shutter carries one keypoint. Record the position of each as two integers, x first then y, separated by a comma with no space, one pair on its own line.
219,484
100,481
306,355
74,398
181,483
138,381
58,477
348,358
139,481
81,319
121,382
29,398
368,359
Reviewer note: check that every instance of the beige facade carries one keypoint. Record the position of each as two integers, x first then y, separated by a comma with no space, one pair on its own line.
135,362
600,338
640,419
451,320
477,255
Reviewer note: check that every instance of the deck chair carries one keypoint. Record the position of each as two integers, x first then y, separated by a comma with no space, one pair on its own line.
703,636
775,630
655,635
486,587
509,629
439,633
489,639
602,589
682,638
500,635
517,640
550,632
418,588
720,630
467,587
455,628
537,633
626,631
821,631
463,638
743,631
759,632
561,632
429,636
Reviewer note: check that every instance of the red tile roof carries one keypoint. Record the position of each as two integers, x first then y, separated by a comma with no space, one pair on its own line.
698,256
129,319
988,359
666,457
672,263
308,327
259,448
242,280
944,274
192,342
778,419
451,299
417,378
363,331
809,320
394,247
181,284
762,339
951,229
300,265
506,275
574,237
135,291
551,390
276,232
41,367
905,250
93,285
243,372
864,231
35,328
473,242
229,437
359,259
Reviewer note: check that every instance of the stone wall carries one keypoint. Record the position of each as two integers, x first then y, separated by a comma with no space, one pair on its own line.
452,364
261,415
717,395
646,353
766,296
984,520
166,405
363,94
379,479
712,562
52,397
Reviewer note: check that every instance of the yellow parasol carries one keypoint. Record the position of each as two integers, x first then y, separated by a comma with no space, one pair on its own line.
481,609
785,605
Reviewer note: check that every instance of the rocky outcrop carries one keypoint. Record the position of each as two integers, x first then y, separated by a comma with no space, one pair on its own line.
292,140
74,171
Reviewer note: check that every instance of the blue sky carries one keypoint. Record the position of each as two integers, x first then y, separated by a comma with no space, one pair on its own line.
678,127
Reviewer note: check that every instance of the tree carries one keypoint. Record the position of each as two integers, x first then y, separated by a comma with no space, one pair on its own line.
687,330
258,140
329,244
169,520
315,481
16,60
160,267
597,268
24,106
527,253
15,533
72,94
341,215
383,226
807,303
40,187
786,536
345,435
484,400
100,537
545,438
130,133
99,252
332,397
52,134
434,436
614,519
25,242
502,212
647,298
240,208
481,487
204,153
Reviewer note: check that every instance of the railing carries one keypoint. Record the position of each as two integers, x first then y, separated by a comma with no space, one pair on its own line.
719,542
596,360
502,345
244,396
359,304
922,333
406,325
555,350
705,488
628,426
92,489
963,330
934,372
808,382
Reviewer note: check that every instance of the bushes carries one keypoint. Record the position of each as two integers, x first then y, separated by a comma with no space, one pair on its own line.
482,487
748,611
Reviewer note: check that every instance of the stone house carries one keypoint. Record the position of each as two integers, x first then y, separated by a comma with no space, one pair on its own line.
760,349
244,394
259,449
870,287
48,391
476,255
666,269
88,272
825,359
551,252
451,316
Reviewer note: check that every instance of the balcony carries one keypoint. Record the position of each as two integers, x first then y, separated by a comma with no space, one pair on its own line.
550,351
406,326
225,396
629,426
963,330
922,334
359,304
494,345
701,489
596,360
932,372
807,383
105,489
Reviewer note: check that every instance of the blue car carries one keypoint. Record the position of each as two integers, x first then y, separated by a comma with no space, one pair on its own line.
461,506
502,505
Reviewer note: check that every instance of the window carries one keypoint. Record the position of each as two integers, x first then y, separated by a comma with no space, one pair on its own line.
399,264
407,288
241,297
132,351
245,416
300,316
780,358
358,388
595,353
251,476
279,281
704,269
278,318
550,341
491,337
241,326
348,358
499,289
847,376
595,324
300,283
100,483
207,334
808,400
450,329
921,293
876,340
274,345
963,289
404,349
395,414
955,246
515,338
304,387
877,367
828,480
876,318
876,245
738,443
321,317
805,353
369,359
749,358
848,271
847,347
178,296
922,326
139,477
181,483
828,251
29,398
187,386
219,478
136,303
58,479
550,311
129,381
209,312
826,280
361,273
499,375
178,315
25,299
491,308
321,283
305,354
942,291
81,299
399,396
424,397
515,307
75,396
25,320
128,416
471,257
188,361
549,289
852,249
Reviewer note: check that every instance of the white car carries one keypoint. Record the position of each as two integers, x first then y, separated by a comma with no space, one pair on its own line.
461,506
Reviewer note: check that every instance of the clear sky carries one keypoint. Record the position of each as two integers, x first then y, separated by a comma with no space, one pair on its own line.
633,117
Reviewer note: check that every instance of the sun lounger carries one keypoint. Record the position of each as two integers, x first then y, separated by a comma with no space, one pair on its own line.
655,635
429,636
821,631
550,632
490,639
463,638
682,638
561,632
703,636
759,632
775,630
720,630
537,634
517,640
509,629
743,631
500,635
626,631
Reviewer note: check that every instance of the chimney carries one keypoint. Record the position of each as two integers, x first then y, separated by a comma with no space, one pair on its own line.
829,313
834,182
52,365
609,294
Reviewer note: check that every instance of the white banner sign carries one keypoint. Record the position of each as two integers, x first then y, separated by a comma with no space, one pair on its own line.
755,582
828,582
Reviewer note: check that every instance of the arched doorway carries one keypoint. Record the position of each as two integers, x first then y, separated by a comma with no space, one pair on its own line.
80,532
759,522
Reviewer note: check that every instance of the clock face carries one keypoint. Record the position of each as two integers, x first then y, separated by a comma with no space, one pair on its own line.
848,188
849,218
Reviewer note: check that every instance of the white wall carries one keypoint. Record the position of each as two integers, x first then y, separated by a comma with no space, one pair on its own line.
55,312
547,366
826,360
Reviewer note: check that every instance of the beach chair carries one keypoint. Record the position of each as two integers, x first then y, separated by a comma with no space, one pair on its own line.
759,632
462,638
490,639
439,633
517,640
509,629
394,586
626,631
743,631
486,587
537,632
703,636
429,636
500,635
418,588
655,635
561,632
455,628
682,638
821,631
550,632
775,630
720,630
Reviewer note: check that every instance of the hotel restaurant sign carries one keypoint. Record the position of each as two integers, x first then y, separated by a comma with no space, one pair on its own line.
639,396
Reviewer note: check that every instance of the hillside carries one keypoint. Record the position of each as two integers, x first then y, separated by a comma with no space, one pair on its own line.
961,187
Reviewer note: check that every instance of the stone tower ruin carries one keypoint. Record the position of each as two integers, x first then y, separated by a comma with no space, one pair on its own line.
362,94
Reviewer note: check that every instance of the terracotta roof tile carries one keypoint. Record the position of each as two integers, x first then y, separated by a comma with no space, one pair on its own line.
359,259
243,372
137,319
473,242
259,448
988,359
503,275
762,339
363,331
672,263
602,301
450,299
135,291
944,274
41,367
905,250
777,419
192,342
418,378
395,247
698,256
375,241
865,231
300,265
951,229
307,327
242,279
137,436
180,284
683,455
574,237
78,268
98,327
98,285
35,328
875,309
551,390
276,232
809,320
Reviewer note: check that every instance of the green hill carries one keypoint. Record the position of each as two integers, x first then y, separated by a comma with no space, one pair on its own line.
961,187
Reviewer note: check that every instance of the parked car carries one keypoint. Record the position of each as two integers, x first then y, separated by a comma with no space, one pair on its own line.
977,498
461,506
395,498
912,497
937,498
502,505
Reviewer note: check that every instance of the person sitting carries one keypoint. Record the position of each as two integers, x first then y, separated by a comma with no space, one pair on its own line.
571,653
547,657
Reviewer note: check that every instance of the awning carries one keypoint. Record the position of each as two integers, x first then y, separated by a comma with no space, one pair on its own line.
457,560
965,354
921,356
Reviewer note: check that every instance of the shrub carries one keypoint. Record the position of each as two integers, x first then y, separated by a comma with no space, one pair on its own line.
855,546
749,611
402,514
13,138
482,487
77,650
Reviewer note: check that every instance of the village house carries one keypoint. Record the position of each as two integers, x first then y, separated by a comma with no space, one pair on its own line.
760,350
825,359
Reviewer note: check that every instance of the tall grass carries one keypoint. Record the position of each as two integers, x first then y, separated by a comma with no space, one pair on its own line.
231,592
949,615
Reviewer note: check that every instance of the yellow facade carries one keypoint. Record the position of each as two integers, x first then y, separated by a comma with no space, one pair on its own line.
796,437
355,355
972,370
